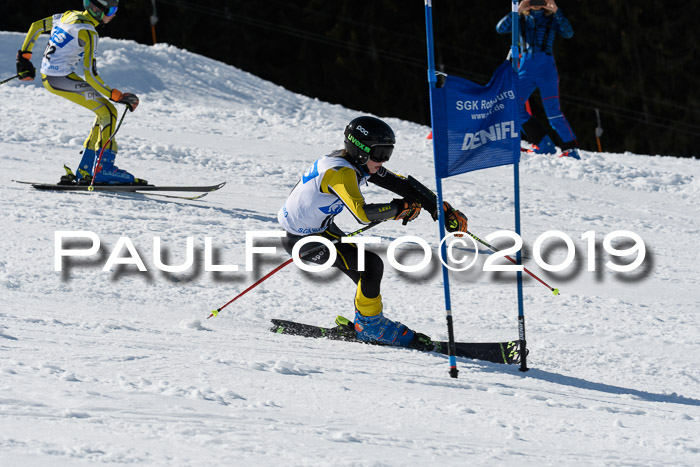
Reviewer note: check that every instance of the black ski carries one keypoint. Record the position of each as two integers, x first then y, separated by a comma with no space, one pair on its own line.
497,352
126,188
140,189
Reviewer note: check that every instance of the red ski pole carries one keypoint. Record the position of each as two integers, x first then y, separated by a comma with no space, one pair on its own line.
96,168
259,281
554,291
266,276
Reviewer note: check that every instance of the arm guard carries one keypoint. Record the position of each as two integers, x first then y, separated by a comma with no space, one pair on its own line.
408,188
381,211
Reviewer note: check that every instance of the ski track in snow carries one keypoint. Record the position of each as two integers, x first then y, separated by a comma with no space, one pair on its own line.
122,367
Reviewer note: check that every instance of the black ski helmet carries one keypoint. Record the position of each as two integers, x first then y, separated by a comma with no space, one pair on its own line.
368,138
98,9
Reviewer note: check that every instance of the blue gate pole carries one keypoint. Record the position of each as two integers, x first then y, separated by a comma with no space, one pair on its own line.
516,175
432,80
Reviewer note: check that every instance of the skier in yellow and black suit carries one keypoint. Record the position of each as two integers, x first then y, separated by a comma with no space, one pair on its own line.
333,183
71,50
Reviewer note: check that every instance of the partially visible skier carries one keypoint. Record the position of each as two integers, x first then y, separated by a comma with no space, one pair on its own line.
541,21
71,52
333,183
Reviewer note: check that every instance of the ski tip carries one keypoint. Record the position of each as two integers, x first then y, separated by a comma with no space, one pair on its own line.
30,183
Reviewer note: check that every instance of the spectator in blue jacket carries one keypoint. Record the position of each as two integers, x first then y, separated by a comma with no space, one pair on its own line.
540,22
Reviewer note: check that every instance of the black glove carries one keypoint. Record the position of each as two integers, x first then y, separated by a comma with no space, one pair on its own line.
455,221
25,69
407,210
130,100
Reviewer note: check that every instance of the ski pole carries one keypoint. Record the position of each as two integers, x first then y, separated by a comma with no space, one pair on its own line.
554,291
308,253
598,130
96,167
9,79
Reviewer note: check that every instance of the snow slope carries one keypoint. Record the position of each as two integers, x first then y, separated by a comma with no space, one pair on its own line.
121,367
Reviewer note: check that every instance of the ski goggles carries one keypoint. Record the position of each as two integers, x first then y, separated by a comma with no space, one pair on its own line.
381,152
111,11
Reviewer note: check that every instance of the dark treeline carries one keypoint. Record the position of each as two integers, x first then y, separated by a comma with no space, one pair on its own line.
634,61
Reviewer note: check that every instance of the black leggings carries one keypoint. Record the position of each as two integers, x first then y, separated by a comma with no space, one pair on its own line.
346,260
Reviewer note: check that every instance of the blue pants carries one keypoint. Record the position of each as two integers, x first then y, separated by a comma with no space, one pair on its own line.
538,70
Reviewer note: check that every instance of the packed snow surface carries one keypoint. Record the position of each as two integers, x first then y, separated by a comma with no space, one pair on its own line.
123,367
